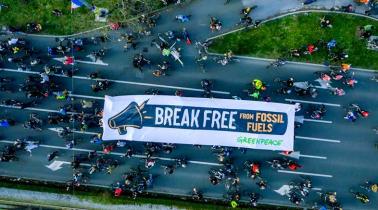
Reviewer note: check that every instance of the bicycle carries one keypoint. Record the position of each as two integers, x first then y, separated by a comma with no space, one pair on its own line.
361,197
329,198
277,63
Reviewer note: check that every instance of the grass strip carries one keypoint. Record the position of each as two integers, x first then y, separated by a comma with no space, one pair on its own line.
103,196
276,38
21,12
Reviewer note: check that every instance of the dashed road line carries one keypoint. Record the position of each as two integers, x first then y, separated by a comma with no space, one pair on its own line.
318,121
313,156
98,62
312,102
317,139
74,131
305,173
34,109
85,96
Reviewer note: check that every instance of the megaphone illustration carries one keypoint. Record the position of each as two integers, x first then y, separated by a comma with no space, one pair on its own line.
131,116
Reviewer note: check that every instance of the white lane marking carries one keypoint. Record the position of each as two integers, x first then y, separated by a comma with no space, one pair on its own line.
283,190
313,156
204,163
305,173
297,155
84,96
55,165
119,154
34,109
312,102
317,139
318,121
74,131
98,62
124,82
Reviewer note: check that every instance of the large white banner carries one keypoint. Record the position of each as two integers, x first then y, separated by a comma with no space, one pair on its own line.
185,120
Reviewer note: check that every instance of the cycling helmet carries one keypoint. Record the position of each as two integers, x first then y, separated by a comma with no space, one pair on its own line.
364,113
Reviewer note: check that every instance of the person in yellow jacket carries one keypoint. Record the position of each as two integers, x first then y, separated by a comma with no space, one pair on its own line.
62,95
234,204
15,50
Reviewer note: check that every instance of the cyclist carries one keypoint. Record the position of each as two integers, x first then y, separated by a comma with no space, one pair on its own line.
262,184
228,55
345,67
183,18
357,108
350,116
370,187
258,84
196,195
361,197
290,82
329,198
293,165
149,163
52,155
254,198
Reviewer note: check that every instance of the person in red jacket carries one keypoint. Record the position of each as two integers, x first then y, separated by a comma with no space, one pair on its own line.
108,148
255,170
68,60
293,166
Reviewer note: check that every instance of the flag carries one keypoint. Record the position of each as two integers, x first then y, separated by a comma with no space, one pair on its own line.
76,4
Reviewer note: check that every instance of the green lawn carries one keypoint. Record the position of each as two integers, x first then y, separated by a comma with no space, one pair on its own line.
21,12
275,38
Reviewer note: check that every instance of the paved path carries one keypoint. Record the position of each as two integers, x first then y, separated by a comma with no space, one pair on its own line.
343,147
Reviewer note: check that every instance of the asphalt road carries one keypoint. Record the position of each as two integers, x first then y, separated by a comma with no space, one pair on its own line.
337,155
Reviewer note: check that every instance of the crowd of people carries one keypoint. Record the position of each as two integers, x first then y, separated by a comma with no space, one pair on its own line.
75,115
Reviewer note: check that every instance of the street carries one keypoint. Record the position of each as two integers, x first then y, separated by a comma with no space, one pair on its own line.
337,155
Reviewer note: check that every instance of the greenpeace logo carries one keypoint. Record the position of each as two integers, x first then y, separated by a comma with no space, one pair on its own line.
257,141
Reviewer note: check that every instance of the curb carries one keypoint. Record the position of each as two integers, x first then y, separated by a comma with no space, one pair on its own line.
284,15
291,62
